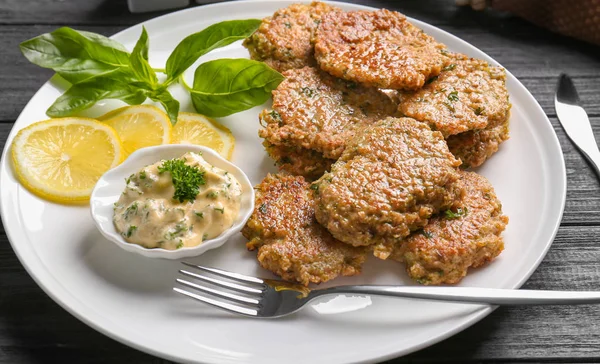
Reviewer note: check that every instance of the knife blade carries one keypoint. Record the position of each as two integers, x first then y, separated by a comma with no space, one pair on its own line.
575,121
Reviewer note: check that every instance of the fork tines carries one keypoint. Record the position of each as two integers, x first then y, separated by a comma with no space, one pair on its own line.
251,289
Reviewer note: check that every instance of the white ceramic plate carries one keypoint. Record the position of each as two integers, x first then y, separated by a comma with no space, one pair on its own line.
129,297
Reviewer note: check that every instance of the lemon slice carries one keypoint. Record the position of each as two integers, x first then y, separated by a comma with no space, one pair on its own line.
139,126
198,129
62,159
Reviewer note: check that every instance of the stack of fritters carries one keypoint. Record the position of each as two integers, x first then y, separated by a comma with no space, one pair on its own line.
313,116
468,103
388,182
381,116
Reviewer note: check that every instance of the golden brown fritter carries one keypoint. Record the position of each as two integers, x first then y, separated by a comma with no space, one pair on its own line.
467,235
289,240
284,40
388,182
299,161
377,48
476,146
469,94
314,110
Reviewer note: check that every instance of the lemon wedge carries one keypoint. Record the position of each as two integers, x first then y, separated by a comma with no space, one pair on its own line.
62,159
139,126
198,129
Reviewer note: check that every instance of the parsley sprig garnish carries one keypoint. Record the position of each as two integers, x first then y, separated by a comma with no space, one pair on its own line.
186,179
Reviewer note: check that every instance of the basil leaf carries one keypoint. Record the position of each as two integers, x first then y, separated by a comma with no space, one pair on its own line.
225,86
76,56
215,36
139,61
170,105
84,95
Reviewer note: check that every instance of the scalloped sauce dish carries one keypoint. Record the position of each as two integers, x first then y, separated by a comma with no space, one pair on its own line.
172,201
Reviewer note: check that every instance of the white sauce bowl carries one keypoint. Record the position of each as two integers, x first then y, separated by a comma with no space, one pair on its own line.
109,187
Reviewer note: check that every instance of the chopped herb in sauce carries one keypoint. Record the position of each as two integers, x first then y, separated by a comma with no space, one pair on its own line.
179,245
212,194
131,210
221,210
179,228
143,174
199,214
131,230
204,237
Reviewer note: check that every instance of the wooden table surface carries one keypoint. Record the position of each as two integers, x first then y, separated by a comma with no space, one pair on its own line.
34,329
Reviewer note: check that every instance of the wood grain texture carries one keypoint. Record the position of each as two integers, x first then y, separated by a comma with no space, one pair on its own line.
34,329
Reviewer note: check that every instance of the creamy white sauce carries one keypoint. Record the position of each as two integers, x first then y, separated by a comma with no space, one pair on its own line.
148,215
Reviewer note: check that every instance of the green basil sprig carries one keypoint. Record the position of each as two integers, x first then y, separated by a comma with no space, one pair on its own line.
198,44
76,55
226,86
139,62
85,94
100,68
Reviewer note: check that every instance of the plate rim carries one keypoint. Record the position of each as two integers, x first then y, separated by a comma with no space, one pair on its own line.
51,285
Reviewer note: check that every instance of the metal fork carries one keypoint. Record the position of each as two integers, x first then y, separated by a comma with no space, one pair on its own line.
266,298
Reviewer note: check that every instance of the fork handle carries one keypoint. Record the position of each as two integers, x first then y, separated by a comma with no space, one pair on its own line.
492,296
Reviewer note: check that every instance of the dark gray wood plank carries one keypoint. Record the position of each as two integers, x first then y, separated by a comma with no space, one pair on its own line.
107,12
21,79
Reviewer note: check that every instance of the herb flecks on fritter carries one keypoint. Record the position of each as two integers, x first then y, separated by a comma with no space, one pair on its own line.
284,40
377,48
388,182
289,240
467,235
313,110
468,94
